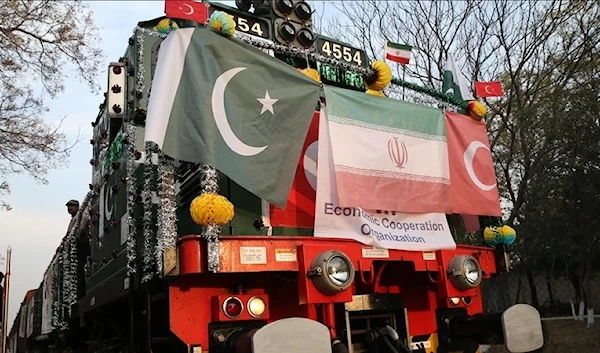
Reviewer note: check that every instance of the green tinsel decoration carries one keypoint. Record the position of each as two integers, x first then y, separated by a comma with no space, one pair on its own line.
431,92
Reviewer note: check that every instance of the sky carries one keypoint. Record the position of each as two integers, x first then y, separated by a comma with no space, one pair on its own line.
39,219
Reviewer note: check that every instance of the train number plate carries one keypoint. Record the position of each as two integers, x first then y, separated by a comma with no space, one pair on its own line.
252,26
341,51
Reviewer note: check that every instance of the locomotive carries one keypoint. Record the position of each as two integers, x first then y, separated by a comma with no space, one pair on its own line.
269,284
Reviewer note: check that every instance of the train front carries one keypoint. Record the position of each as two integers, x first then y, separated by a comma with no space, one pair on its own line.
269,283
294,294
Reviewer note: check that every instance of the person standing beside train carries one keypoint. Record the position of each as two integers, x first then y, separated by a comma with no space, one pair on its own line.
82,241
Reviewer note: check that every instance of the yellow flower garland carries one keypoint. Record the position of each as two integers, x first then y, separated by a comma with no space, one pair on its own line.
476,110
312,73
210,208
383,77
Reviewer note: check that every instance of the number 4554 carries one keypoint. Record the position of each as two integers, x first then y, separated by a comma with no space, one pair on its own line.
341,52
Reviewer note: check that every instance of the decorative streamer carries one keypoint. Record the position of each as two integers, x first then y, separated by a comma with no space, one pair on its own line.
69,265
167,216
149,234
209,179
140,85
66,285
57,286
130,130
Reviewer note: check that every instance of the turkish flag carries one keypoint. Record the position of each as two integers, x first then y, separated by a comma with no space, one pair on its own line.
187,10
489,89
300,209
473,188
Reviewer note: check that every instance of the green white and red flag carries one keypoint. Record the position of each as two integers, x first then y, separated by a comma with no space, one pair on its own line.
399,53
388,154
219,101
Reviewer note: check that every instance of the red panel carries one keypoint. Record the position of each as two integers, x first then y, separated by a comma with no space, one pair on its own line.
445,288
190,254
419,299
233,249
189,309
191,296
307,292
300,209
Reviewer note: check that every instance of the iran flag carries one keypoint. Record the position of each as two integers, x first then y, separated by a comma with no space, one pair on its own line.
473,188
398,52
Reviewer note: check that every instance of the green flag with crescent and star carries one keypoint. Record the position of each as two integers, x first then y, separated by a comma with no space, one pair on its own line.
219,101
453,83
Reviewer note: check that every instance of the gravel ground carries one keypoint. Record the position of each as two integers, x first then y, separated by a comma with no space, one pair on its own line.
566,336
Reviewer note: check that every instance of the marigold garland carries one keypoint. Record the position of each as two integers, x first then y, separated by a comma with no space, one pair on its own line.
166,26
312,73
502,235
211,209
476,110
381,78
375,93
222,22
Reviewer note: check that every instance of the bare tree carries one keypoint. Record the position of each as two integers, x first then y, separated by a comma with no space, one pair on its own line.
512,41
37,40
543,132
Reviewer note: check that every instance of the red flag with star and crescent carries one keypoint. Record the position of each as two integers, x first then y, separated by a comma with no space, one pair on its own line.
300,209
473,187
187,10
489,89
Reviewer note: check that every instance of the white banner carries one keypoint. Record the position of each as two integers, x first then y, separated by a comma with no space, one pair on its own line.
390,230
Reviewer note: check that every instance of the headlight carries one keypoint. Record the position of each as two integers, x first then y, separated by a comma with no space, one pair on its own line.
256,306
331,272
464,272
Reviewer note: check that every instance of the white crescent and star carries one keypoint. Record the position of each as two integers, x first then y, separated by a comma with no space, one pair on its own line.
486,89
220,116
309,161
267,103
190,11
107,197
468,157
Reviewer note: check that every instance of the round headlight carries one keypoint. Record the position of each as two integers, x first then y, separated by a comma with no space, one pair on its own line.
464,272
472,271
331,272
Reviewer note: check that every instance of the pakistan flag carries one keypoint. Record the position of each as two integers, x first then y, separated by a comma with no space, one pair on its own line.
454,83
219,101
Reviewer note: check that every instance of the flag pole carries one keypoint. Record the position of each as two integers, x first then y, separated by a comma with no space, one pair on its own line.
403,79
6,293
